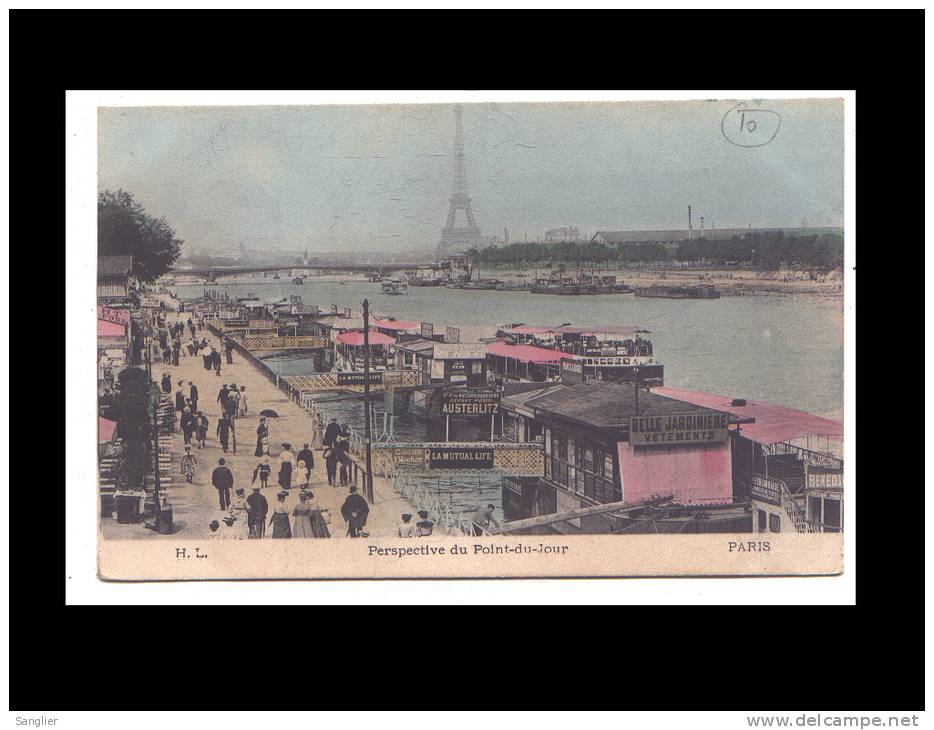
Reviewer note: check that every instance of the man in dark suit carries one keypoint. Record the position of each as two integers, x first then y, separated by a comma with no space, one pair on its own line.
355,511
257,507
193,394
222,479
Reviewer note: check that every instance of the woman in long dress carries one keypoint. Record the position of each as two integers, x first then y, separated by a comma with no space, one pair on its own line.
286,460
280,517
238,510
244,409
301,517
262,436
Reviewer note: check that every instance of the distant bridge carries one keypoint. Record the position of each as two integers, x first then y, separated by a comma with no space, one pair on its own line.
209,272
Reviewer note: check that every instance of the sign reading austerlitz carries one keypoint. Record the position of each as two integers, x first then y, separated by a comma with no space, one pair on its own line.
678,428
469,402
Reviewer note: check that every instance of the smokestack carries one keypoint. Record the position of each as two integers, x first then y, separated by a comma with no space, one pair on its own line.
690,227
702,226
506,235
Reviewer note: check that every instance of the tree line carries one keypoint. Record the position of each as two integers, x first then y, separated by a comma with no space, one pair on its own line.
767,250
124,228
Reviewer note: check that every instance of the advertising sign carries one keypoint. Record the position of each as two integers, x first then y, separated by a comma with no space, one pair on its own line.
469,457
678,429
428,330
452,334
572,371
818,478
120,316
376,378
469,402
765,489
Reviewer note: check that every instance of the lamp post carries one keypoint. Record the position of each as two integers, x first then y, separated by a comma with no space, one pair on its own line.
368,477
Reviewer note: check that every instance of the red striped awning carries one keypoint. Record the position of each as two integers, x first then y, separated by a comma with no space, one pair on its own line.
110,329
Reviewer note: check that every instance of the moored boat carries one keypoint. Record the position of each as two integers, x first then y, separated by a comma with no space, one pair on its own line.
666,291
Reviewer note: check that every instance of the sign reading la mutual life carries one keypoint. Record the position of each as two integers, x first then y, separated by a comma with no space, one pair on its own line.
376,378
469,402
678,429
466,457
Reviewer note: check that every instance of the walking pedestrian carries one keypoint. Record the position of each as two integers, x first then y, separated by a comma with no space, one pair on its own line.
222,479
262,438
330,465
355,511
257,506
424,527
201,429
223,432
405,528
216,358
262,470
222,395
193,394
240,515
308,519
331,433
188,423
188,465
308,457
286,464
280,518
166,383
228,350
243,404
300,475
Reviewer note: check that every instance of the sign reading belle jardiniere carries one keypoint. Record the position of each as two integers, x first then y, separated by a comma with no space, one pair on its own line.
467,457
469,402
678,428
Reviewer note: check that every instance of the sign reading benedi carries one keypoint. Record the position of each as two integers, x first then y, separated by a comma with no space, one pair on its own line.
469,402
678,428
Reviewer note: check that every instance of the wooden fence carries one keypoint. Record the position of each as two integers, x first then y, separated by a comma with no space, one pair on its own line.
301,342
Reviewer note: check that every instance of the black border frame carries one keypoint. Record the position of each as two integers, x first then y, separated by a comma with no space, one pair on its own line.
689,658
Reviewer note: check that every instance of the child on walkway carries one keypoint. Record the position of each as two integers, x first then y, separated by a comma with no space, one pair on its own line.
188,464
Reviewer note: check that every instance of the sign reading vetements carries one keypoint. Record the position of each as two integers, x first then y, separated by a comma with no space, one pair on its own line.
469,402
460,458
678,428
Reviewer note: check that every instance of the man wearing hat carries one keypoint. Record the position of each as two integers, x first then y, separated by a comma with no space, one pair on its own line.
257,506
331,433
355,511
223,481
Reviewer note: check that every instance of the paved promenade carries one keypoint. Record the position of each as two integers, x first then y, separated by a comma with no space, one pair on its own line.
196,505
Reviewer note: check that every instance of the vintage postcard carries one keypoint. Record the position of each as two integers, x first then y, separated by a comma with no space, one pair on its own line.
475,339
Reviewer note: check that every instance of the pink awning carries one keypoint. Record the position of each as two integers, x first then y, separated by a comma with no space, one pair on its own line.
105,430
110,329
395,324
356,338
774,423
526,353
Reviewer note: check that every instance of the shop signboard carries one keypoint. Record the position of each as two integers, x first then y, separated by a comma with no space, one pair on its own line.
679,429
469,402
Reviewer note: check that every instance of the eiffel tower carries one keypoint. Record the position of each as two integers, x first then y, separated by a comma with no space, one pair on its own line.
454,236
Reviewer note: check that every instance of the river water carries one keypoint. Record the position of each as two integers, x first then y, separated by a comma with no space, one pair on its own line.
783,349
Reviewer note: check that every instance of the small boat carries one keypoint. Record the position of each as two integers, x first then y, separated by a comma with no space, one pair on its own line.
298,280
663,291
481,284
512,286
395,287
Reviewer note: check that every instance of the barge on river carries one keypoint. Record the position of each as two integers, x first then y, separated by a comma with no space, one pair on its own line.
664,291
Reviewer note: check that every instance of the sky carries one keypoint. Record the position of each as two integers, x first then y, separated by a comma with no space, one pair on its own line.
365,179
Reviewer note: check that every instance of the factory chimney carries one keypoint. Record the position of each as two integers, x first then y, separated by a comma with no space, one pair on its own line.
690,228
702,226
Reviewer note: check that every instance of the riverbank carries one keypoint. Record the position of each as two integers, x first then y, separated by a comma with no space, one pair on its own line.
195,505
